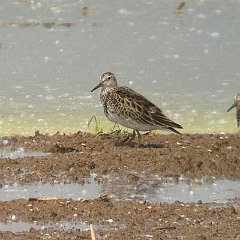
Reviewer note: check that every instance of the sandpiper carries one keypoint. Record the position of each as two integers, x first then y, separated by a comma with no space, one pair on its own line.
237,105
128,108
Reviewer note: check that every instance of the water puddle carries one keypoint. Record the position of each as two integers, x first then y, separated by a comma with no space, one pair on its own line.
26,226
20,153
90,190
170,190
152,189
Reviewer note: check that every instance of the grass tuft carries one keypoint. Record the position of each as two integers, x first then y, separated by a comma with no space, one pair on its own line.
98,127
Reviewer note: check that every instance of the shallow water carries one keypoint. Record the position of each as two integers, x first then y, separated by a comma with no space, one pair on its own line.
20,226
89,190
52,53
20,153
152,189
170,190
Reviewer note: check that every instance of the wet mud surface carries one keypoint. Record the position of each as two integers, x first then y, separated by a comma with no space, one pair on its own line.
72,159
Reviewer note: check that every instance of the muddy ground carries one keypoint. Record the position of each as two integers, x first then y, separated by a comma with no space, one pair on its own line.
74,157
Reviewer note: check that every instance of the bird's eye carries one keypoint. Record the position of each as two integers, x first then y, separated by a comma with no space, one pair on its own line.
108,77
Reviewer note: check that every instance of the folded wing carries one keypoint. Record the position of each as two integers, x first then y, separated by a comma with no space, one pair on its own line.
140,109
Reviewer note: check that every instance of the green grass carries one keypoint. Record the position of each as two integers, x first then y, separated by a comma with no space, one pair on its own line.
98,127
97,124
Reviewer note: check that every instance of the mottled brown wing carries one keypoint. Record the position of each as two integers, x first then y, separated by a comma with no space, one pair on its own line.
142,110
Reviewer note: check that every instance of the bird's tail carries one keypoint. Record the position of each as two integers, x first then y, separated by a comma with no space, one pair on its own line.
174,130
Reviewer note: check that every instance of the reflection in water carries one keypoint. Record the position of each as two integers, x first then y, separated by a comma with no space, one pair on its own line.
152,189
171,190
54,51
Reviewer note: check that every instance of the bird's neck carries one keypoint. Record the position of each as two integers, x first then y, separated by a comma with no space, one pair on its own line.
107,89
105,93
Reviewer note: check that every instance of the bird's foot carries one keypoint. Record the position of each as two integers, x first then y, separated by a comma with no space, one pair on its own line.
126,140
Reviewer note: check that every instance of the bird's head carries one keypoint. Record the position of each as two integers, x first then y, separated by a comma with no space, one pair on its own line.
107,80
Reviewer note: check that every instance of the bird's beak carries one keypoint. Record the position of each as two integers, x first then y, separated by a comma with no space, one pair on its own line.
234,105
98,86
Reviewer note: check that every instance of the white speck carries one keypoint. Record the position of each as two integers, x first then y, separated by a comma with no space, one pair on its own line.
110,220
164,23
27,96
124,11
176,56
131,24
5,142
191,193
153,37
206,51
215,34
56,10
190,9
154,81
39,4
57,42
46,59
61,50
218,11
199,31
225,84
81,97
151,60
13,217
49,97
130,82
21,149
181,178
202,16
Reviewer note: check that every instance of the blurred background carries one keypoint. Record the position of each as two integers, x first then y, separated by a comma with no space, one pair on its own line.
183,56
